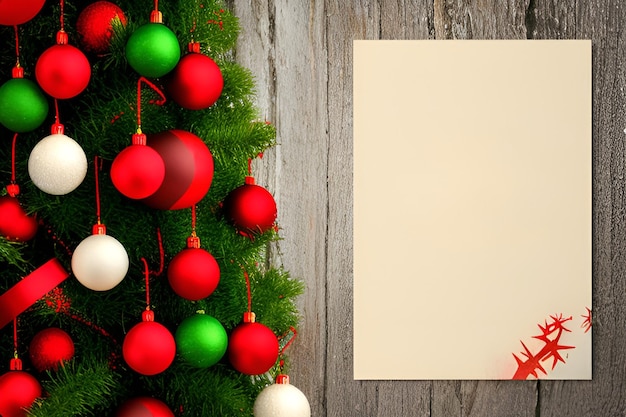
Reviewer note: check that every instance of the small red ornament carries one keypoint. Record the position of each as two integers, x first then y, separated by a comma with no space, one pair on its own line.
95,25
16,12
252,347
251,208
196,82
50,348
144,407
188,170
138,171
149,348
18,390
193,273
15,224
63,71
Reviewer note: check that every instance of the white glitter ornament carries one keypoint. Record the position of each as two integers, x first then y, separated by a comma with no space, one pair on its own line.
100,261
57,164
281,400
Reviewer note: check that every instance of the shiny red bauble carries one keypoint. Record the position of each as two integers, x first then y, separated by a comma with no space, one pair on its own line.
18,390
50,348
193,274
149,348
63,71
251,208
188,170
95,25
138,171
16,12
252,348
15,224
144,407
196,82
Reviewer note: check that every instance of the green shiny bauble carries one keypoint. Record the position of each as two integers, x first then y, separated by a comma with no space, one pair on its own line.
201,340
153,50
23,106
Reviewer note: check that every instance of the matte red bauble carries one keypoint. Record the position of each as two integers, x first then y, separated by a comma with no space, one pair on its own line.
251,208
50,348
252,348
144,407
63,71
138,171
95,25
193,274
18,390
188,170
15,224
16,12
149,348
196,83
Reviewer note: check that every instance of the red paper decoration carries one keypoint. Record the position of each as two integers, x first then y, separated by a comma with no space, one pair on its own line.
95,25
188,170
50,348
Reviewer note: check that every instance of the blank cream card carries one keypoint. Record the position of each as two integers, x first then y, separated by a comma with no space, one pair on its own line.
472,209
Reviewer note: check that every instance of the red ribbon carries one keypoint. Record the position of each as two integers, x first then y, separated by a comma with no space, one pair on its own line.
30,289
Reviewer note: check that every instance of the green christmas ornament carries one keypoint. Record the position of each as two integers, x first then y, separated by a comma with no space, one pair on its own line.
23,106
153,50
201,340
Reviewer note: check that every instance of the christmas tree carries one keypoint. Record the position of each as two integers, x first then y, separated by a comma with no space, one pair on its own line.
134,274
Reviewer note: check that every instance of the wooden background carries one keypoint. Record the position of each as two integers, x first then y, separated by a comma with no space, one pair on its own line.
300,52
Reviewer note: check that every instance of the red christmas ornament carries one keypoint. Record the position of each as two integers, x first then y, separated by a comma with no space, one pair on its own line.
193,273
149,348
252,347
188,170
63,71
196,82
95,25
16,12
138,171
18,390
50,348
15,224
144,407
251,208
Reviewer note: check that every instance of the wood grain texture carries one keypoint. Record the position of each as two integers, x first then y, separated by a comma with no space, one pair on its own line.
301,55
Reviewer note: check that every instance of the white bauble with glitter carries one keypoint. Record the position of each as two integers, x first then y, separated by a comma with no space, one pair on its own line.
100,262
281,400
57,164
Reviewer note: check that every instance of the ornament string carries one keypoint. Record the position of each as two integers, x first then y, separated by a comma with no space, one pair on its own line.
161,253
247,277
17,47
286,346
157,102
146,272
13,145
97,168
193,220
15,345
62,18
